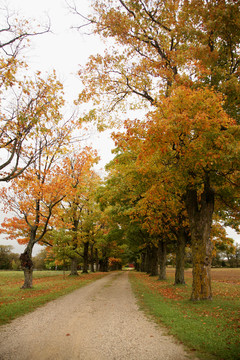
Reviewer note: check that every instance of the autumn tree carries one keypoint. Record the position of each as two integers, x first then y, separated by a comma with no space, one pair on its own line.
34,196
59,252
23,100
143,204
34,200
103,244
164,216
159,45
24,121
156,45
212,30
199,144
118,236
91,229
114,198
122,191
77,208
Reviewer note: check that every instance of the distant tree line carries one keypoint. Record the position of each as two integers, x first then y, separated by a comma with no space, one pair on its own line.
10,260
221,258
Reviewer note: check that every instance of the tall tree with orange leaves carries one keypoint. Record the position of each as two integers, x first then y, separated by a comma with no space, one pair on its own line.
187,151
195,145
34,196
33,200
156,45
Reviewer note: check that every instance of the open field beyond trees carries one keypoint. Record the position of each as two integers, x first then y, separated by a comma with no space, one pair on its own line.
210,329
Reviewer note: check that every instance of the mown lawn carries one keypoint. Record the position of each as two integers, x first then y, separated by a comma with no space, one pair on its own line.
210,329
47,286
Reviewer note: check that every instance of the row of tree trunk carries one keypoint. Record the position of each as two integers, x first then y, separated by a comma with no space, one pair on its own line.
154,260
95,263
200,211
90,258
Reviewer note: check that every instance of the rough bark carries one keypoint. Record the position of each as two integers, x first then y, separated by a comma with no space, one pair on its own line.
142,265
162,256
180,257
74,266
85,257
103,262
74,259
92,257
27,266
148,260
97,259
200,218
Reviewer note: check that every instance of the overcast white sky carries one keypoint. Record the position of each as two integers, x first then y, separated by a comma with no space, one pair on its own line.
63,50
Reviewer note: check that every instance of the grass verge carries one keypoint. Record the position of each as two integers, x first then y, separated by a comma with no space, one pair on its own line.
210,329
47,286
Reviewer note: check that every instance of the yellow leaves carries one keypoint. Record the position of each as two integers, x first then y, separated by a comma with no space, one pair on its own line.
36,195
35,111
188,136
8,69
192,121
163,44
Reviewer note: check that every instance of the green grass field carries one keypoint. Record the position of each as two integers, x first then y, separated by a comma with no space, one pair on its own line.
210,329
47,286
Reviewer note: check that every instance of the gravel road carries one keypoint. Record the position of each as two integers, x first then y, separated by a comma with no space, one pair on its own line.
100,321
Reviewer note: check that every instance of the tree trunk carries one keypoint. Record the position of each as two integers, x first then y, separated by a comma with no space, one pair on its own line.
92,257
162,253
27,265
142,266
74,259
154,261
136,265
200,217
85,257
28,277
180,257
148,260
104,262
103,265
97,259
73,267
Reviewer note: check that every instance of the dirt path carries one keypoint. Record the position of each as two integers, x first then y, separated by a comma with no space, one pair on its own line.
100,321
